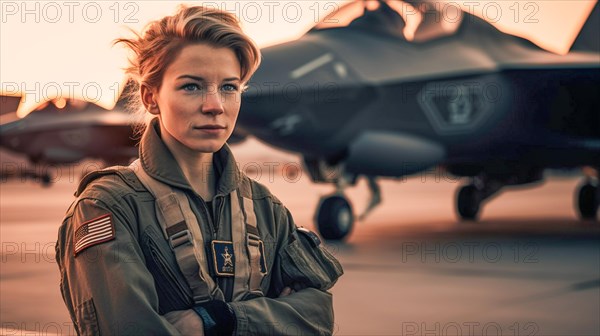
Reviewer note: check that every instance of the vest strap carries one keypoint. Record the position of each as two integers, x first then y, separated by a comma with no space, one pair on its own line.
255,249
182,231
250,268
240,243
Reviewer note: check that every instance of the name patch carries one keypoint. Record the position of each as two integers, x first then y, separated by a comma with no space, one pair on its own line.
223,258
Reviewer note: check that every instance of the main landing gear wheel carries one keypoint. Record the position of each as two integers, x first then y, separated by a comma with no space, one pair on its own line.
335,218
467,202
588,199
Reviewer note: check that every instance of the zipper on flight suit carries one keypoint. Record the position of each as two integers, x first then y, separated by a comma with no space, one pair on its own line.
219,205
226,284
204,209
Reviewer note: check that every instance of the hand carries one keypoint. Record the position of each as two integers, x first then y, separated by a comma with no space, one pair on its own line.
286,291
187,322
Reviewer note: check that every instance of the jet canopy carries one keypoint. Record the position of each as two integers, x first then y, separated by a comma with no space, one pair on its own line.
417,21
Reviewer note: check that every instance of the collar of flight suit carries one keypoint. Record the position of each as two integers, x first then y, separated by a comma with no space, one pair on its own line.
158,161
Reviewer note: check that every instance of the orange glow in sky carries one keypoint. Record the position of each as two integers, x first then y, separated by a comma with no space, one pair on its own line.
52,50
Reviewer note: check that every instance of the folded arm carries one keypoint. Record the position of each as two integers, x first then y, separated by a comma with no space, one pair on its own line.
303,270
106,286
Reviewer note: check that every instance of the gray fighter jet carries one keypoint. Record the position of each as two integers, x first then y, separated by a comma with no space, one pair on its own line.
66,132
354,97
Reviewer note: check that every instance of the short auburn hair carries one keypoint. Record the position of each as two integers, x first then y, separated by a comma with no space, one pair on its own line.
161,41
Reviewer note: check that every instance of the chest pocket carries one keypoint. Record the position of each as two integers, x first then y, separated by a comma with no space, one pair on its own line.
173,291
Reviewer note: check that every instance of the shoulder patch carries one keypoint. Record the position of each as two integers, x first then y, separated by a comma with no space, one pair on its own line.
93,232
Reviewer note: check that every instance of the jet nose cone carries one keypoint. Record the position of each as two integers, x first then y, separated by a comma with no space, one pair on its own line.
297,96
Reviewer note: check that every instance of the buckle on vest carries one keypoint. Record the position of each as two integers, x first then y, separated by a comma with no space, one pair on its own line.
180,238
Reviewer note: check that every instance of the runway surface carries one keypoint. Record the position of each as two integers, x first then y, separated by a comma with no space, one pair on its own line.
529,267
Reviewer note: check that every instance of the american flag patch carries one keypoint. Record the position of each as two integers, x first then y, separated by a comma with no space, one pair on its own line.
92,232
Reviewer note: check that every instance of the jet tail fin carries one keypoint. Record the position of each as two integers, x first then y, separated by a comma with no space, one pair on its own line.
9,104
588,40
129,93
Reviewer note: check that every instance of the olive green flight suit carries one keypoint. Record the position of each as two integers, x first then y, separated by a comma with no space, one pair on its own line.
126,283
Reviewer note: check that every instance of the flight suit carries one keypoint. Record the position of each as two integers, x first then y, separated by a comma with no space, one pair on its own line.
124,279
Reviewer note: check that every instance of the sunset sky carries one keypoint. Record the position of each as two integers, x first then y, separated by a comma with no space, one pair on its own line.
54,48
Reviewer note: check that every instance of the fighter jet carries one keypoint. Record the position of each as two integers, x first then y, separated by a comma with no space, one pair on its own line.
367,94
66,131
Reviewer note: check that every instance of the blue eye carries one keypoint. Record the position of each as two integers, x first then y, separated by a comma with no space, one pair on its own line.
190,87
230,87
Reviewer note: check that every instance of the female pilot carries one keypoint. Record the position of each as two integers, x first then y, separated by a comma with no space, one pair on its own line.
181,242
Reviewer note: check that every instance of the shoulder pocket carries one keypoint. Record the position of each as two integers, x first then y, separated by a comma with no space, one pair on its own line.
308,263
87,323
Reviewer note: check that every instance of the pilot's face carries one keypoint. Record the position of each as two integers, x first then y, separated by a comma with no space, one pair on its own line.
199,98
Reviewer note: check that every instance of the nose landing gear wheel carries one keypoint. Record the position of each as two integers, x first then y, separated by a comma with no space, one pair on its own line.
588,199
46,180
335,218
467,202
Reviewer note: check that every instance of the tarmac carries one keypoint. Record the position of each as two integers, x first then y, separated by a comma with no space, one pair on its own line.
528,267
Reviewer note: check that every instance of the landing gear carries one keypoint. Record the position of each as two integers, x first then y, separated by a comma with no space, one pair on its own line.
334,217
375,197
588,199
46,180
470,197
